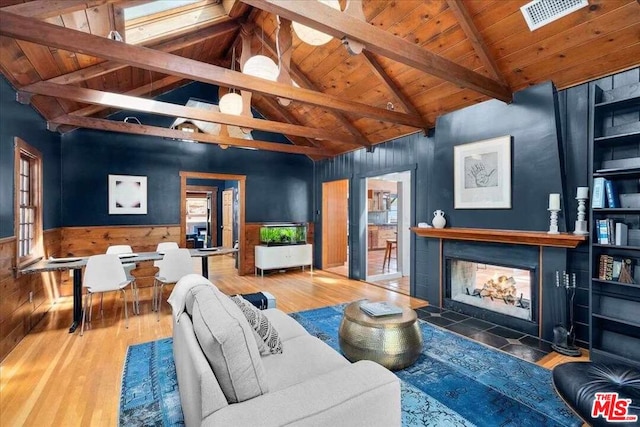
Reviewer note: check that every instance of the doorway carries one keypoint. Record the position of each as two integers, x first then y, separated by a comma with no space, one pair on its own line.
227,218
201,218
335,226
388,238
235,185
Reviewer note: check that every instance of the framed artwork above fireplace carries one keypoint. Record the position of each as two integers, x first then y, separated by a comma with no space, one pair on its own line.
482,174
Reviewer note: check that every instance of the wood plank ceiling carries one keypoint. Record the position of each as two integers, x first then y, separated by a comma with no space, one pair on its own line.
421,59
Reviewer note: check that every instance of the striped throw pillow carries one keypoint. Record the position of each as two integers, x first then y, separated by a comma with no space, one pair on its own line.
260,323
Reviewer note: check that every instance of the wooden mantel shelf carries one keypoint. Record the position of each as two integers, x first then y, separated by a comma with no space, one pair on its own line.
533,238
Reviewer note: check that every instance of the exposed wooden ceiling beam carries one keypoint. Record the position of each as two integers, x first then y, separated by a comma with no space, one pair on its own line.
285,116
139,91
63,38
125,102
300,78
392,87
113,126
376,40
476,39
234,8
43,9
168,46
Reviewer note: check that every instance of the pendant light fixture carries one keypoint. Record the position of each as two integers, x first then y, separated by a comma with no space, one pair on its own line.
312,36
261,66
231,103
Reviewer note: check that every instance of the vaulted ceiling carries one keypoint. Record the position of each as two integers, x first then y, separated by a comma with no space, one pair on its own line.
420,60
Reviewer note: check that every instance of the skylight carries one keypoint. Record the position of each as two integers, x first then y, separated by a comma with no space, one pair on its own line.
156,6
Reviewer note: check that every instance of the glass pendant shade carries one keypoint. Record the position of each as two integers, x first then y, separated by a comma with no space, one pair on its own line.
312,36
261,66
231,103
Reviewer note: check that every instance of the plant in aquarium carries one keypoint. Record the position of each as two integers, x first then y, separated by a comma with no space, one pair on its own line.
283,234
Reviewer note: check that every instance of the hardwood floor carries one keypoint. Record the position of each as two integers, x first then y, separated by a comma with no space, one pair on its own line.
374,266
56,378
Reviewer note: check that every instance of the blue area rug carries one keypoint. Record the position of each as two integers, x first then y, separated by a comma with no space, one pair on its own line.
455,382
149,393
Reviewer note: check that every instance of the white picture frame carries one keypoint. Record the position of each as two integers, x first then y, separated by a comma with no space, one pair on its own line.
127,195
482,174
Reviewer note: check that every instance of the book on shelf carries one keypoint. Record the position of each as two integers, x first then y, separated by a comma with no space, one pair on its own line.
613,201
610,232
621,234
382,308
598,196
603,235
616,269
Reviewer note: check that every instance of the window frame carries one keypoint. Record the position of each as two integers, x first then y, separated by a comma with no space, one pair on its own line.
23,150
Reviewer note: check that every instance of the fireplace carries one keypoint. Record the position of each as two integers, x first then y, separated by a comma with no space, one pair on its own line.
505,290
497,283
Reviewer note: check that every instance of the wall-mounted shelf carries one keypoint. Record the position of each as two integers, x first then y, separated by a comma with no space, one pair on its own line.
618,103
532,238
619,139
613,282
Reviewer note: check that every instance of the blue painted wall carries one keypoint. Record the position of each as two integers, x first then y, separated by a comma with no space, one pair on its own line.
22,121
278,188
536,172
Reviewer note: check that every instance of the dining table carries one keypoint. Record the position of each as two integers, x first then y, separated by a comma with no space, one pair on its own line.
76,264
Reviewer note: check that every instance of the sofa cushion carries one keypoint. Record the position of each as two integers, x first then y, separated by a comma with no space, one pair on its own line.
304,357
260,323
228,343
286,325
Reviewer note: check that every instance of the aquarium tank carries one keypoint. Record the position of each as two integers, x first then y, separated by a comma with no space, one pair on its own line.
283,234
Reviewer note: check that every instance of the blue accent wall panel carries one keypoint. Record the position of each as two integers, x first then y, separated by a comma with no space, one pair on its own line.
24,122
536,172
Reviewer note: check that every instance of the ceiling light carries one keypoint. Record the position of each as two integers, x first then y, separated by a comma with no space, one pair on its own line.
231,103
310,35
115,36
261,66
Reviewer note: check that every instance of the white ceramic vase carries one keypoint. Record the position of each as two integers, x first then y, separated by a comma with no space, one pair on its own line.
439,220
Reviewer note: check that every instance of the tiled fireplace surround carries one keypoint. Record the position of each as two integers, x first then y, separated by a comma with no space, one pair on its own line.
526,339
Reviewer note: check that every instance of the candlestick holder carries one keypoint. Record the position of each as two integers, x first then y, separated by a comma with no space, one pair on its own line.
581,223
553,221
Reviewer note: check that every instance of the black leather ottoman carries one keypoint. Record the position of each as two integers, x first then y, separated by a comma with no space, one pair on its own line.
578,382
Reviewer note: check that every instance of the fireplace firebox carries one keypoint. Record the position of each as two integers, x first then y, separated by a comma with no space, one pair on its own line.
505,290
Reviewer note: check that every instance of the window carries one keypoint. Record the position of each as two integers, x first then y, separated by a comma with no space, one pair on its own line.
28,203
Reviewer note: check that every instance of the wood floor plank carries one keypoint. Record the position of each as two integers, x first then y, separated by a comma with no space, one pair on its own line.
56,378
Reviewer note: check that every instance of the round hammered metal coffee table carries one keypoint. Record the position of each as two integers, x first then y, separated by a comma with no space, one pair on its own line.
394,341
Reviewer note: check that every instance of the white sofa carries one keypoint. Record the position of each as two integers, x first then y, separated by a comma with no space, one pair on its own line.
309,384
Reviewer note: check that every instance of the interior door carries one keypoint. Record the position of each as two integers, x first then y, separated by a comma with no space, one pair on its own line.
335,212
227,218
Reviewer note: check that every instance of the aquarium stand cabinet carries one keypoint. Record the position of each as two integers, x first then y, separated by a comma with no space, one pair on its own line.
277,257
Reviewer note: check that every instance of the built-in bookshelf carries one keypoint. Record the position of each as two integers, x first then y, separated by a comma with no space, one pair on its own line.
615,218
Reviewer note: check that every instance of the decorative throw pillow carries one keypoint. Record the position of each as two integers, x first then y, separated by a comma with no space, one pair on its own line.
260,323
226,339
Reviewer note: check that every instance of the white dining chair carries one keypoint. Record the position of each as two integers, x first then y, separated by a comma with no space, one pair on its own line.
103,273
128,267
166,246
175,264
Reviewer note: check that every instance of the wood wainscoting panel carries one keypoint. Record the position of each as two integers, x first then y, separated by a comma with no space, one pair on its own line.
25,299
93,240
252,236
